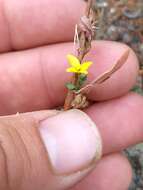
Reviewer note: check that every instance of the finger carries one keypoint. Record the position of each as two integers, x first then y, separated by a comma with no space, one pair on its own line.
35,79
35,147
26,24
112,172
120,122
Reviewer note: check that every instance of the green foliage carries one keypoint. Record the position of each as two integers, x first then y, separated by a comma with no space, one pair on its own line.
138,90
71,86
81,79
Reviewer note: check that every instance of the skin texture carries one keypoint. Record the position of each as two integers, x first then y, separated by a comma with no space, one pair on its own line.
22,82
16,33
33,77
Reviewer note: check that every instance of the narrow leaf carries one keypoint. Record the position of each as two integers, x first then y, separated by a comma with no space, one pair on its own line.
106,75
83,77
70,86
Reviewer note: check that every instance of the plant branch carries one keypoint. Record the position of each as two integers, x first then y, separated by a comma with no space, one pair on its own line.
88,8
84,38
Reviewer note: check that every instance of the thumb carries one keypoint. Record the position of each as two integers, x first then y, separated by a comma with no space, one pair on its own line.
46,150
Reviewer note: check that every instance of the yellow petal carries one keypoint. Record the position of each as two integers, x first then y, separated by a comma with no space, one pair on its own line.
86,65
72,70
73,61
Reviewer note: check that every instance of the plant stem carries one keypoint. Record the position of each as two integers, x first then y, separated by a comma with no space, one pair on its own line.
89,4
70,95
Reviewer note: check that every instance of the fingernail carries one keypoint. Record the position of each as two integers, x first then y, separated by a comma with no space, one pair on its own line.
72,141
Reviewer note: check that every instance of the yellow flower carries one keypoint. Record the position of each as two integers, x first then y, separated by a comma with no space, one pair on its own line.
76,67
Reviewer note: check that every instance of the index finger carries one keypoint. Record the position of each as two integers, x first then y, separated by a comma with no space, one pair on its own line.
27,24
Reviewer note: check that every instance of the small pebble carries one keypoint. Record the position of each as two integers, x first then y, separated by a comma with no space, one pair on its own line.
127,38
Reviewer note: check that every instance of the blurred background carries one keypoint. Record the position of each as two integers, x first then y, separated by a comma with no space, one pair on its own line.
122,20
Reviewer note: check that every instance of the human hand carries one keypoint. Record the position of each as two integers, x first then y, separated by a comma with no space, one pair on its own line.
33,78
